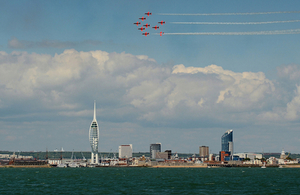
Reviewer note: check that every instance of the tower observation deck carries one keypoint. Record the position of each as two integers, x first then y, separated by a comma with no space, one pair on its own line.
94,138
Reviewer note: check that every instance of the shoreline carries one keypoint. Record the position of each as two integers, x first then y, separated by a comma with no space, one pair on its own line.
25,166
157,166
181,167
291,166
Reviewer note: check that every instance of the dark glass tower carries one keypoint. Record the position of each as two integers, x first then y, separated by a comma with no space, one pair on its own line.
227,141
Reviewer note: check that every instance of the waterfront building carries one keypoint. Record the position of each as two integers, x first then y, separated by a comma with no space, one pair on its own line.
94,138
224,156
162,155
154,148
169,153
211,157
204,152
227,141
125,151
250,156
282,155
8,156
272,161
54,161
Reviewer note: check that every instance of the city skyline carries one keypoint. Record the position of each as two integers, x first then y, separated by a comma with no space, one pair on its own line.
183,91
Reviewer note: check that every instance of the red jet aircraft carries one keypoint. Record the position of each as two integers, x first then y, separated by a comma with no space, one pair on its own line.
146,25
142,28
162,22
156,27
146,33
161,33
137,23
142,18
148,13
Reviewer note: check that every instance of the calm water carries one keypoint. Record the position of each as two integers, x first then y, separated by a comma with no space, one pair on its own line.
149,181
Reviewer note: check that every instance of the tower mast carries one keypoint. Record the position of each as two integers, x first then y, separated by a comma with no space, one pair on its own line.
94,119
94,138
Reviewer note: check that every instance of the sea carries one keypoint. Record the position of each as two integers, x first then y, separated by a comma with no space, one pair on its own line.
138,180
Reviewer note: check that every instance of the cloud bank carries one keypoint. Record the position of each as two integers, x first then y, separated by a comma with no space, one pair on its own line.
124,83
138,91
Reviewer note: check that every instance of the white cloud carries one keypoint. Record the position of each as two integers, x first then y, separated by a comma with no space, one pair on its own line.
293,107
289,72
238,90
137,90
137,93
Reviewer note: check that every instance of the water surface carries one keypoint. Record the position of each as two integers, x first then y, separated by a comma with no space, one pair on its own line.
149,181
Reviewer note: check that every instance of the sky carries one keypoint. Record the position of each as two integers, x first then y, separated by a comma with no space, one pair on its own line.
182,90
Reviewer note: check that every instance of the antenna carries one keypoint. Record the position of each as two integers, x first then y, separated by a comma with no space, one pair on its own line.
94,110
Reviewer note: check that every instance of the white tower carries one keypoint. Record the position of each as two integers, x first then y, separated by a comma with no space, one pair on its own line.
94,138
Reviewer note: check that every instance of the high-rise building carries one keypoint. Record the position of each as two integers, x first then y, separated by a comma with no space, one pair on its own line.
227,141
204,151
94,138
154,148
125,151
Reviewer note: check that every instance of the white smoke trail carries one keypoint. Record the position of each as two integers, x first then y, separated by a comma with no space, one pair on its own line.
275,32
236,23
228,14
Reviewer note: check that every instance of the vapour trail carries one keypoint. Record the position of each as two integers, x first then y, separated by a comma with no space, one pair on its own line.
228,14
236,23
275,32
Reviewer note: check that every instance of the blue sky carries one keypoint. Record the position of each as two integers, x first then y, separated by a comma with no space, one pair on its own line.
181,90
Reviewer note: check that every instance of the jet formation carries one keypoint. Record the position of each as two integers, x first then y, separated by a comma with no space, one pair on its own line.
143,27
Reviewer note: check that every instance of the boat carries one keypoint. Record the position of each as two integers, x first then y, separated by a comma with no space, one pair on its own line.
280,166
62,165
104,164
73,164
264,166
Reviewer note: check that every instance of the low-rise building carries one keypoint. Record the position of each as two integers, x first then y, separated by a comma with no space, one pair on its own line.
125,151
54,161
251,156
161,155
8,156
